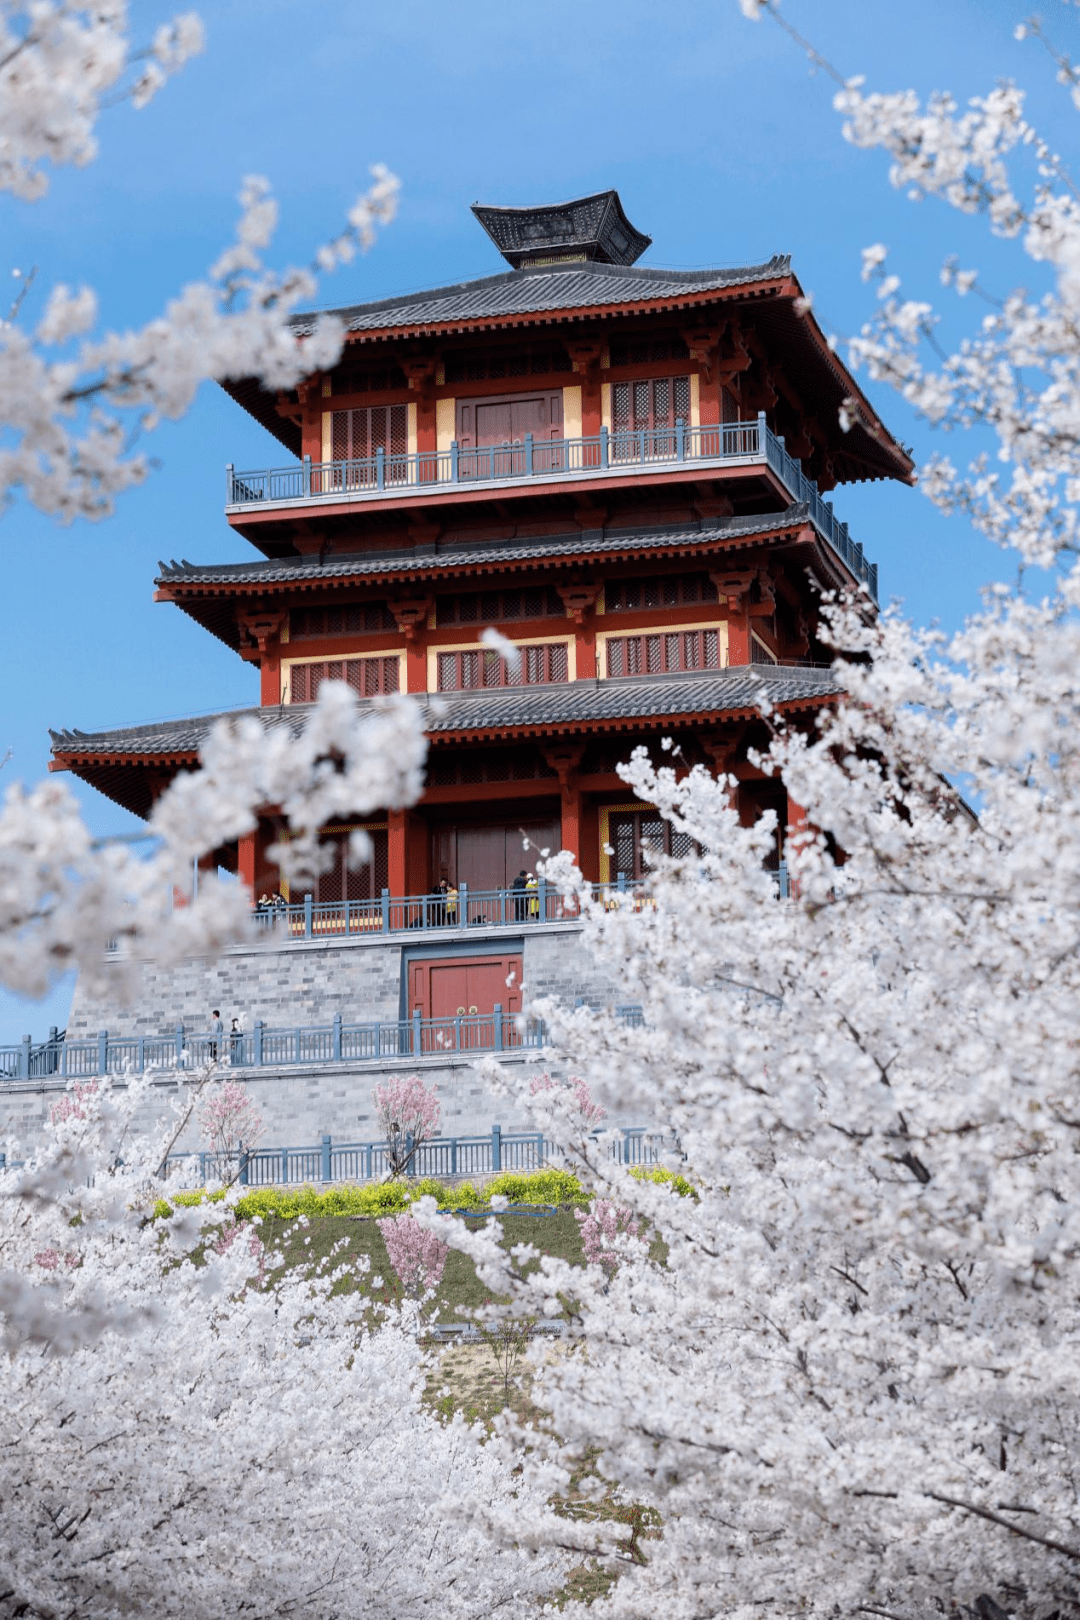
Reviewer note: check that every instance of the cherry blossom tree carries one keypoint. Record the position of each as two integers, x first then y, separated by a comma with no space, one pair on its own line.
230,1122
417,1255
204,1439
602,1224
72,398
851,1386
408,1113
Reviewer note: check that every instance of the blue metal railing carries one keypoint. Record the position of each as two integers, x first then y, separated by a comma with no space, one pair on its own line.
370,1041
461,908
445,1157
718,445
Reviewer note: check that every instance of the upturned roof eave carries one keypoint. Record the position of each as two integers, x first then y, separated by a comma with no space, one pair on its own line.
171,587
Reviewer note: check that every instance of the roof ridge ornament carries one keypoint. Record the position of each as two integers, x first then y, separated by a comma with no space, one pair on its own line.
584,230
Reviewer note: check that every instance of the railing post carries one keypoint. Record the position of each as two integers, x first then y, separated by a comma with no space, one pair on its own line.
496,1148
453,461
625,1146
367,1162
541,900
641,446
230,469
528,455
307,475
243,1164
603,446
326,1158
502,905
24,1058
762,432
257,1043
497,1016
285,1167
453,1155
386,911
102,1051
179,1045
463,906
457,1032
680,439
142,1054
621,885
308,913
336,1038
380,468
410,1165
417,1033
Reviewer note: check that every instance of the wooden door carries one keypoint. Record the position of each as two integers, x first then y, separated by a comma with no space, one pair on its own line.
490,857
466,988
507,418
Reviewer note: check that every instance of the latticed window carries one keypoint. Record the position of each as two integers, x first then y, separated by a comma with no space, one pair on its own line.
679,590
368,677
634,835
357,436
341,621
474,668
653,406
493,607
664,652
342,881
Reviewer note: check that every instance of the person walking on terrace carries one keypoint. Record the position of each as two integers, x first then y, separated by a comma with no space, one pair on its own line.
217,1030
521,903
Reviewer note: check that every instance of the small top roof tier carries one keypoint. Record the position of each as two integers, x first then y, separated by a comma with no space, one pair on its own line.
586,229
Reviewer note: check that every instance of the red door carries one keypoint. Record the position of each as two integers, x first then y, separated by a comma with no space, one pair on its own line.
505,420
463,992
488,858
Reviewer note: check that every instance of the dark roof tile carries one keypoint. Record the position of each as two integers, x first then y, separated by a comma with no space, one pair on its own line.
734,689
469,554
532,291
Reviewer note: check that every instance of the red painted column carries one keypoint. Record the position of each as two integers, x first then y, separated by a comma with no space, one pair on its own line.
270,675
570,832
738,630
585,649
397,850
245,865
416,663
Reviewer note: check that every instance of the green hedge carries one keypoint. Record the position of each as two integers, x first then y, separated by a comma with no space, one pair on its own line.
391,1197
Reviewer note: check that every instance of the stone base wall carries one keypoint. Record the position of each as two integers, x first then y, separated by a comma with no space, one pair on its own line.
307,982
301,1106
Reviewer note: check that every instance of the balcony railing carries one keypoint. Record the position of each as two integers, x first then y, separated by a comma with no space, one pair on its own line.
446,1157
367,1041
730,444
462,908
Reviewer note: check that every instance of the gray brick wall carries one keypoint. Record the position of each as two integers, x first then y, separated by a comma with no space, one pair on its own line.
307,983
300,1106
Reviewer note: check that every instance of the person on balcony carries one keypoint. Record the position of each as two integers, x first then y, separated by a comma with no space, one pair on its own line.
532,889
451,905
217,1030
520,891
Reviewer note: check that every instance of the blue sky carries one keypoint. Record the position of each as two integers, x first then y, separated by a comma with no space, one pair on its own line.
724,147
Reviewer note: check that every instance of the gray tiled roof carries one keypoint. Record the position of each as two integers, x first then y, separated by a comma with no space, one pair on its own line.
468,554
738,688
539,288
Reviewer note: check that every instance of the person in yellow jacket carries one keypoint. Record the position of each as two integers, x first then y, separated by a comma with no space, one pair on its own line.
532,890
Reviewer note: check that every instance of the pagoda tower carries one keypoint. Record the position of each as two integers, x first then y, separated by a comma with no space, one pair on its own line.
624,471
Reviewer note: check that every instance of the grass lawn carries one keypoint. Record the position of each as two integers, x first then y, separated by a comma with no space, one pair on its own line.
307,1246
